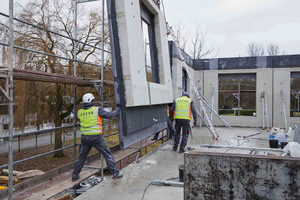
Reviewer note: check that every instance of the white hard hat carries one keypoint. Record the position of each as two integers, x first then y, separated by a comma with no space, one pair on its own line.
87,98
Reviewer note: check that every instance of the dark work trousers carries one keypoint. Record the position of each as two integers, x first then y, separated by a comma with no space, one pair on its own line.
171,129
185,125
97,141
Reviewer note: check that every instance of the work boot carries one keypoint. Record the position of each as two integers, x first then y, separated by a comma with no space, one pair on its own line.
75,178
181,150
174,148
117,175
154,138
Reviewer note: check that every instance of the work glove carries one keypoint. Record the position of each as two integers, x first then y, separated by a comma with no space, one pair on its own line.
118,107
195,123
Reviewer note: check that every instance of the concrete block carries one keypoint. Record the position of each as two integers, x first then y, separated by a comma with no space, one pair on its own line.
235,176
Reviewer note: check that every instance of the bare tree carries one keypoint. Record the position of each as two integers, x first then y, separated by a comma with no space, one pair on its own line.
54,100
273,49
255,49
181,36
200,47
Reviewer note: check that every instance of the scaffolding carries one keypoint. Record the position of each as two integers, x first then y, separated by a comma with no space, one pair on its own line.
10,73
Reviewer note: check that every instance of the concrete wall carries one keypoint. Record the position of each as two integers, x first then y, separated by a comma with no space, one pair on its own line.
233,176
271,80
138,91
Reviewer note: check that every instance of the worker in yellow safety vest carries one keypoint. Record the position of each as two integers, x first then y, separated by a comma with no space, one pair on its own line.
91,129
183,110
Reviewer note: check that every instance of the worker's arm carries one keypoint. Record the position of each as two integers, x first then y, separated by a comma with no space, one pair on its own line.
105,114
171,112
194,111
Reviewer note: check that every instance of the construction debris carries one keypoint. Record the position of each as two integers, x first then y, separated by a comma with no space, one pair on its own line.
15,173
29,174
66,196
4,179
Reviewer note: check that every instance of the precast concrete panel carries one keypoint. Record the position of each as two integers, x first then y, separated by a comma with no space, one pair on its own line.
143,110
281,82
139,92
264,83
239,176
210,81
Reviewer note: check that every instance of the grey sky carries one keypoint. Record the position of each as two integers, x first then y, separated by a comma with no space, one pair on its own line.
232,24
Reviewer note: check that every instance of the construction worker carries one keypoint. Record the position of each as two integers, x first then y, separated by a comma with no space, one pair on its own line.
183,110
91,129
170,124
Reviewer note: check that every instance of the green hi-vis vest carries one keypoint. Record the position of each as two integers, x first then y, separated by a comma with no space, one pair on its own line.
90,121
183,108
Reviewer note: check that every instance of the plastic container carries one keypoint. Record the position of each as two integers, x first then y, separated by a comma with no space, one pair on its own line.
273,143
283,144
271,136
181,169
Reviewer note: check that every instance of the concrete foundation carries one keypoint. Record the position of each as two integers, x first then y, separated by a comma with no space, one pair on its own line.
237,176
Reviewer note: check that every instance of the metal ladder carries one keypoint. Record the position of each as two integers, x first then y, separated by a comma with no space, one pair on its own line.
198,93
264,105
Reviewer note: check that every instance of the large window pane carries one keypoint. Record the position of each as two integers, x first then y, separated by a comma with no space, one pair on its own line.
145,28
295,94
237,94
151,60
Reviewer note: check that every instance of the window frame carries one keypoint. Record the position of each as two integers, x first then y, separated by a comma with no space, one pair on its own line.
148,18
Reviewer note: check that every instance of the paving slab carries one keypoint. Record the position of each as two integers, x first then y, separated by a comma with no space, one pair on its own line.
163,163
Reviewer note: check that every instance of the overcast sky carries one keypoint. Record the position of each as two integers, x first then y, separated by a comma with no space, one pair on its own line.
232,24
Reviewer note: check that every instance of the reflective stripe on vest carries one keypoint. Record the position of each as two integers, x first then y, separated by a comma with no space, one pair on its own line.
168,110
90,121
183,108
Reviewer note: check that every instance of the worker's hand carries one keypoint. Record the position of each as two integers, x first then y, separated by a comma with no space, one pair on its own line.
118,107
195,123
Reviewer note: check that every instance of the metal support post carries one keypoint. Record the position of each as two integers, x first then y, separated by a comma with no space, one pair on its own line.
75,69
239,99
283,107
266,109
262,98
212,102
10,108
102,76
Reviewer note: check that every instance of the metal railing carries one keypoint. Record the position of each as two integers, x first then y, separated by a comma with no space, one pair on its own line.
49,152
9,91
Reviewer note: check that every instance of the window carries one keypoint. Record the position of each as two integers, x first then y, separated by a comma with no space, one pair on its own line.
151,60
184,80
295,94
237,94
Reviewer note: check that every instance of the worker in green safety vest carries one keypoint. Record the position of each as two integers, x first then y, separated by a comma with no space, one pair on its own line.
91,129
183,110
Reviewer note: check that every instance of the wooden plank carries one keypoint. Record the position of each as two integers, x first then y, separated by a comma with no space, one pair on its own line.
64,197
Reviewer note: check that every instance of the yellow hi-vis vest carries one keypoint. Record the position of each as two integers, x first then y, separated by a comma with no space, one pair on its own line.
90,121
183,108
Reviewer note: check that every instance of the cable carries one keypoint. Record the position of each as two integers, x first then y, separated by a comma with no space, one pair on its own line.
145,191
172,178
163,6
